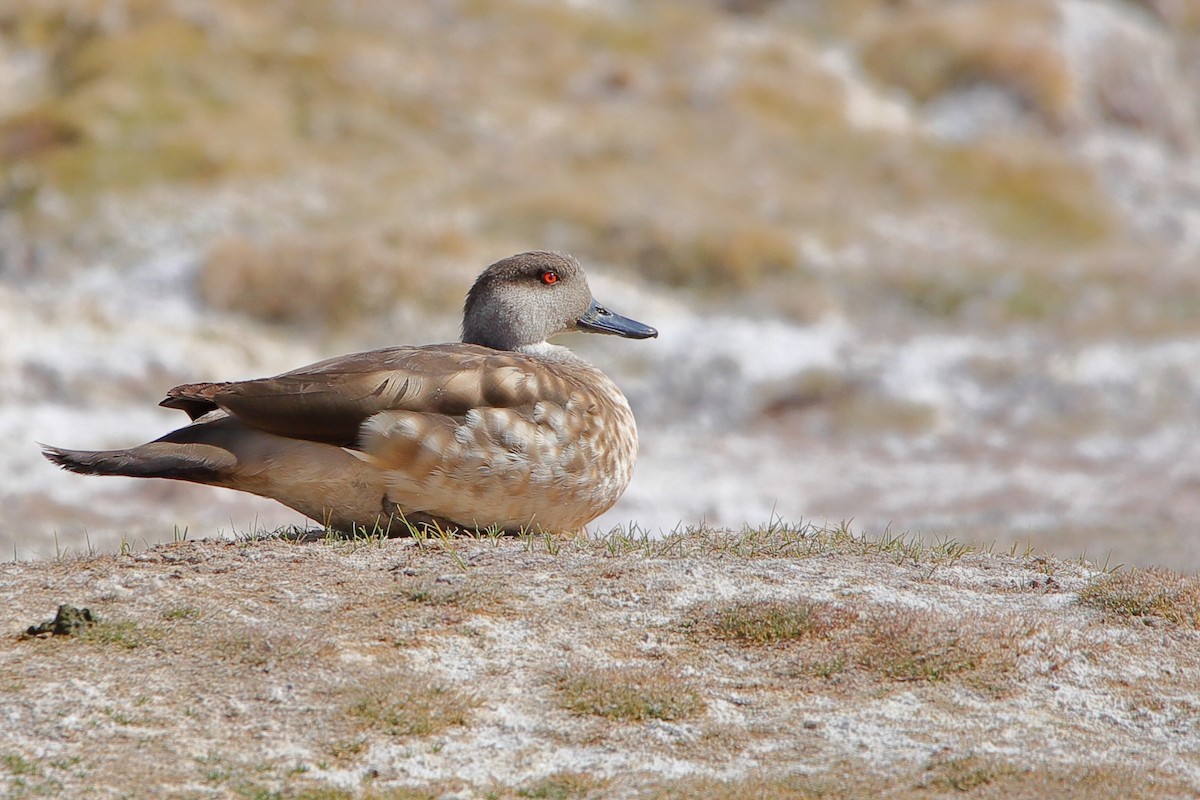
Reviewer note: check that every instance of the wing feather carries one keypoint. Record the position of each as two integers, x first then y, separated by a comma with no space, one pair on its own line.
329,401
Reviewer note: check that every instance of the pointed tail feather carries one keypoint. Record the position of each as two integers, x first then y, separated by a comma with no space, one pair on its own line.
186,462
321,481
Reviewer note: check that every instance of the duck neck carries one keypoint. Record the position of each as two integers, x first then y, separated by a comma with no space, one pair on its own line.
547,352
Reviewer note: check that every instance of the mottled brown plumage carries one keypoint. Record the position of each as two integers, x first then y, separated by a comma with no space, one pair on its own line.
500,431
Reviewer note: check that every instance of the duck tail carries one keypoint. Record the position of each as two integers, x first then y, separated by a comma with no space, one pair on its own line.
185,462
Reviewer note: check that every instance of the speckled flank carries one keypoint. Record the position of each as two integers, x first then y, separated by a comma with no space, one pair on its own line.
557,462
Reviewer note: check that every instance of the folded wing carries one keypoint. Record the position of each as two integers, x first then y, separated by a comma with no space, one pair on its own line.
329,401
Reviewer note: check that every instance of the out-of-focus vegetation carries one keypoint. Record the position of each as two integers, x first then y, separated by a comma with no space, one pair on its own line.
772,149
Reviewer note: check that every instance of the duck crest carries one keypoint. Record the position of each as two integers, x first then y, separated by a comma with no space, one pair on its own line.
502,430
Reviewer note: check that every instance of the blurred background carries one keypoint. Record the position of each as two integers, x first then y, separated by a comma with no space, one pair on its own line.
924,266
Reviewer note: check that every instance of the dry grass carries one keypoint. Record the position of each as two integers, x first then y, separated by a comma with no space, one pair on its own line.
944,46
769,622
564,786
780,539
947,776
441,593
124,634
735,253
965,774
875,643
259,648
1149,594
403,793
646,162
735,258
436,605
305,643
34,132
324,280
983,777
1027,192
627,694
906,645
795,787
408,705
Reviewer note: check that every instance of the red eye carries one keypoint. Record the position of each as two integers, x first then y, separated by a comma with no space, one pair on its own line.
549,277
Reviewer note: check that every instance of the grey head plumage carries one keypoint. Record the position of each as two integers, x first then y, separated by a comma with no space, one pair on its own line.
523,300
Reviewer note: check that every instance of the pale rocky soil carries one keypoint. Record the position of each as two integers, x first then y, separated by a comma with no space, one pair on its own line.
402,668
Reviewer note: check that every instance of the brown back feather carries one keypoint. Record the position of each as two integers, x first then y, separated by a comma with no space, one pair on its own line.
328,401
195,399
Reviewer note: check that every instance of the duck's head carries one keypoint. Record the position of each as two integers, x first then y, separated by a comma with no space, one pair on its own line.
523,300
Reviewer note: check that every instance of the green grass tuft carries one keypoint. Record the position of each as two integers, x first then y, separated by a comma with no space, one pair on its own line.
564,786
406,705
1144,594
126,634
770,621
628,695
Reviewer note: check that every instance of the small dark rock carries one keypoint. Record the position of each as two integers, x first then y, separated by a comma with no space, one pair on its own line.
67,621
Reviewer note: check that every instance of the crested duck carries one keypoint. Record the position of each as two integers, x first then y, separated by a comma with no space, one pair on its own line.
501,431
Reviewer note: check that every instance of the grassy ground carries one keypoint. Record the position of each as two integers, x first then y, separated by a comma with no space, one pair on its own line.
790,662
